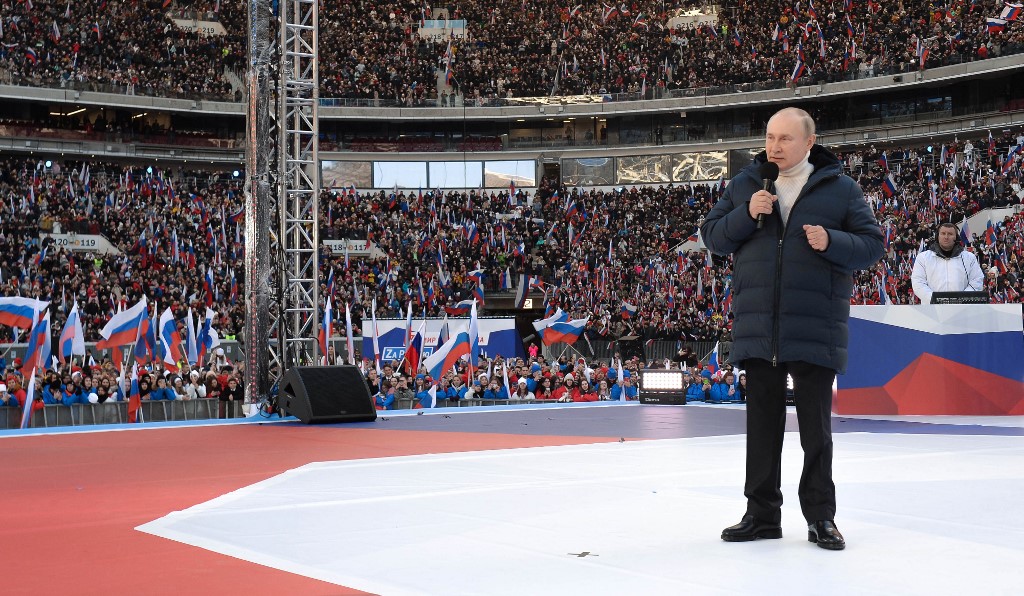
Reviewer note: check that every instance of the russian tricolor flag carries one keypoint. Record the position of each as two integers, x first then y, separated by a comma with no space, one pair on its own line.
628,310
72,339
415,350
459,308
144,350
134,396
37,355
1010,155
996,25
474,336
208,338
889,186
505,281
123,328
348,336
798,70
478,293
566,332
17,311
713,360
1011,11
542,326
208,286
191,346
237,216
571,210
965,234
171,340
558,316
327,329
447,355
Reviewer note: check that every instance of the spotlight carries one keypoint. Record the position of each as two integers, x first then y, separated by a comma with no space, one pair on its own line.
662,387
149,170
48,164
234,174
929,148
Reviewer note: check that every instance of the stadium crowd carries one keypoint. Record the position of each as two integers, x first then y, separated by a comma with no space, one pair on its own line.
510,48
559,380
594,251
119,47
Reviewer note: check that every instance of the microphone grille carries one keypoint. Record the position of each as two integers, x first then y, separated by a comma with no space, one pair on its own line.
769,171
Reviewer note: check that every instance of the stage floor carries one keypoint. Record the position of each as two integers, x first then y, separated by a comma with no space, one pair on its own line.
552,499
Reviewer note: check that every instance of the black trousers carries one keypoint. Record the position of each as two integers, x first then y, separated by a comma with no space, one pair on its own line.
766,424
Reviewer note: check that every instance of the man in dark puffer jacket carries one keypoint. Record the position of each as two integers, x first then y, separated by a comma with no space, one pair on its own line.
792,282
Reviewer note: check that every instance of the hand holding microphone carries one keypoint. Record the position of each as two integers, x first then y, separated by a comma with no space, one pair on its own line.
761,203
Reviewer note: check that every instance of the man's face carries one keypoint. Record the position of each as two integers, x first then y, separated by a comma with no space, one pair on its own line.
786,142
947,238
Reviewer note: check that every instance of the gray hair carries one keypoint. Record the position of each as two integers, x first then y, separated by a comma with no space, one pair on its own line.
804,117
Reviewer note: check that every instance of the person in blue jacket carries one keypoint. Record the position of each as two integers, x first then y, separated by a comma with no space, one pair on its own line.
74,393
694,388
495,391
162,391
725,389
422,396
385,398
53,390
458,388
796,244
623,386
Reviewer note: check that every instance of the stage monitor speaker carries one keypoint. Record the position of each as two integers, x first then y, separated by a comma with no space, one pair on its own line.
326,394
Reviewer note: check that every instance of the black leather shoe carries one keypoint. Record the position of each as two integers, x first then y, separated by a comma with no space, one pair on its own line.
751,528
826,535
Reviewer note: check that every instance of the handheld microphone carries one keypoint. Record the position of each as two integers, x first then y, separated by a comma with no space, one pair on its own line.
769,172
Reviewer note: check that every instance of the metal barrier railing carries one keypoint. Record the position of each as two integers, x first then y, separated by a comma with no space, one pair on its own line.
116,412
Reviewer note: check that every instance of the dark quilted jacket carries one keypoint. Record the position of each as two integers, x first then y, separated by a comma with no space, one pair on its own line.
791,302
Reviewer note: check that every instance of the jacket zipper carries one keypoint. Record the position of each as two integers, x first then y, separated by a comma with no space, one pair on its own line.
777,298
775,303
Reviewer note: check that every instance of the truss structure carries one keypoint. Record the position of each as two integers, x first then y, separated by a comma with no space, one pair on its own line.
282,188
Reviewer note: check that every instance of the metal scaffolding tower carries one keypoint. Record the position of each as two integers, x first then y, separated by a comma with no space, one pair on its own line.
282,189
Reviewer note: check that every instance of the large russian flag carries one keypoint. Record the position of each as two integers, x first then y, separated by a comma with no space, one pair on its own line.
628,310
544,324
123,328
17,311
565,332
447,355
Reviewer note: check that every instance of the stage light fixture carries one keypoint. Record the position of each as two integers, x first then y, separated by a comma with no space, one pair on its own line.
659,386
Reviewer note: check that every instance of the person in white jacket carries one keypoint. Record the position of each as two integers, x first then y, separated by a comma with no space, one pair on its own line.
944,266
195,388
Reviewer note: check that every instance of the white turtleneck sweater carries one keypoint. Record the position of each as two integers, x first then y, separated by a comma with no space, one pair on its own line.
789,185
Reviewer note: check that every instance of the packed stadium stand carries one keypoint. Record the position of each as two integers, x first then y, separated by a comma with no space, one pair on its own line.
126,122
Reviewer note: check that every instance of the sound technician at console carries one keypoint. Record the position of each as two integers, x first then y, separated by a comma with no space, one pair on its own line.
946,267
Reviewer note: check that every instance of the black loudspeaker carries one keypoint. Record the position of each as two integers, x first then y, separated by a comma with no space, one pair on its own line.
326,394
